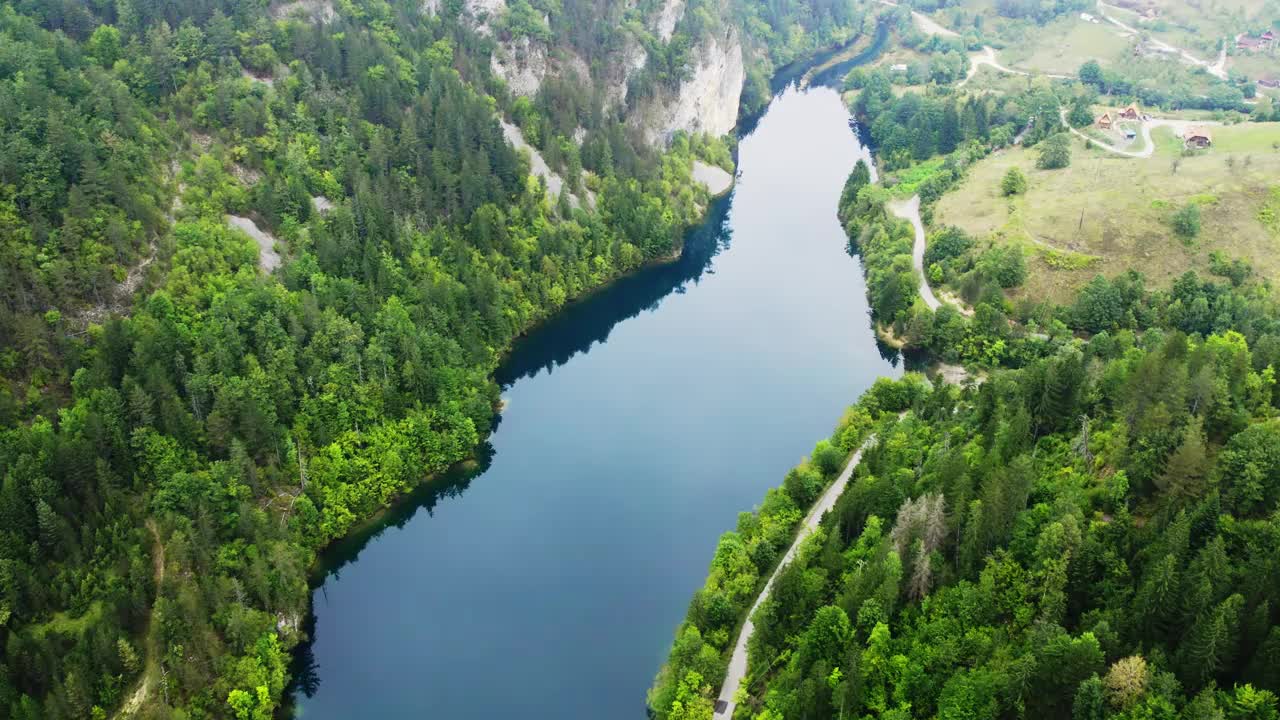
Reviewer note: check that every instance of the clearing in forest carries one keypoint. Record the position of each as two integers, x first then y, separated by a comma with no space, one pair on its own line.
1107,214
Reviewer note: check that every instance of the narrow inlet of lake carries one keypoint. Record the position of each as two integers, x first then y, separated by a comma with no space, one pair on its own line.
638,424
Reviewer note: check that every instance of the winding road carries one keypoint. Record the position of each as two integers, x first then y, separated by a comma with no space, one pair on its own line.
909,210
738,661
1217,69
1148,148
988,57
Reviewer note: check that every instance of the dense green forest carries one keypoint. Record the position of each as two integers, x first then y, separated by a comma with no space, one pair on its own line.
183,428
1085,529
1091,536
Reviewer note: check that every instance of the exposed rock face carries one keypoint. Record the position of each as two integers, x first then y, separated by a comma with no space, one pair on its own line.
483,12
632,60
538,166
522,64
668,16
705,103
708,101
715,179
268,258
313,10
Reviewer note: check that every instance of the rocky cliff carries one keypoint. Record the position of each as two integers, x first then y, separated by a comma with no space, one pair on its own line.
706,102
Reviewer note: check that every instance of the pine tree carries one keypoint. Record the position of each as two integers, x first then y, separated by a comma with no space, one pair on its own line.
1209,647
1089,701
1185,476
949,133
1158,596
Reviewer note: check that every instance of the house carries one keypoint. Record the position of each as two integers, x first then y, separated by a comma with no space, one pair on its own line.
1088,18
1249,43
1197,137
1104,121
898,67
1130,112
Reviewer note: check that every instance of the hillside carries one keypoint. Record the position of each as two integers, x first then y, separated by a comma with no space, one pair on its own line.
258,265
1107,213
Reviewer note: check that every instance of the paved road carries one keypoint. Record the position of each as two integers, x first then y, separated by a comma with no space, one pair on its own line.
1148,148
738,661
909,210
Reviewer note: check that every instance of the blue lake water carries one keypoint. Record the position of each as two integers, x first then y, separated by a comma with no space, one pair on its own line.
639,423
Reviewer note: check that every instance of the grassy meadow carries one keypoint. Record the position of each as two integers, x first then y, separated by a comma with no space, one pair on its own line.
1106,213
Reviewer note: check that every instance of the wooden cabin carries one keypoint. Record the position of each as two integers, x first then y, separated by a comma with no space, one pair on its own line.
1104,121
1197,137
1131,112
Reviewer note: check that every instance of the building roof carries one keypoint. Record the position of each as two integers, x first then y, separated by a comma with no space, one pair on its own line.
1197,132
1131,108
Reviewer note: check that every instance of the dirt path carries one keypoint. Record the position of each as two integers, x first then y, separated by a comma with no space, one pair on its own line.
738,661
1148,148
927,25
151,668
1217,68
987,56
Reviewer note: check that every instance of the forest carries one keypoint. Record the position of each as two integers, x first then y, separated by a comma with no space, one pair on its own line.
1086,528
1093,535
182,428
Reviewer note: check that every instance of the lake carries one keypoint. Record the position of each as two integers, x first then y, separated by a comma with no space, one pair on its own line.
638,424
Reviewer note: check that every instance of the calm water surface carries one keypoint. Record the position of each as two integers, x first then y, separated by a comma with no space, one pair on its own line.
639,423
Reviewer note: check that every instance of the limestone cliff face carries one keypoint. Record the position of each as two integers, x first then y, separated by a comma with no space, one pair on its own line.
708,100
668,16
705,102
522,64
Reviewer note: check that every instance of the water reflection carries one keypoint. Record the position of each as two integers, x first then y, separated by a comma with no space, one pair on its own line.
580,325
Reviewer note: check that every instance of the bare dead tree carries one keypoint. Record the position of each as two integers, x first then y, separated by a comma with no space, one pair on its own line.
1081,444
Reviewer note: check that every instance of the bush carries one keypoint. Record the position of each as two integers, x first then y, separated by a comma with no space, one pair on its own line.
1014,183
1005,265
1186,221
949,242
1055,153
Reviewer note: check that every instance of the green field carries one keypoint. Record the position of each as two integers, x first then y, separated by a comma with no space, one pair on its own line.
1062,46
1108,214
